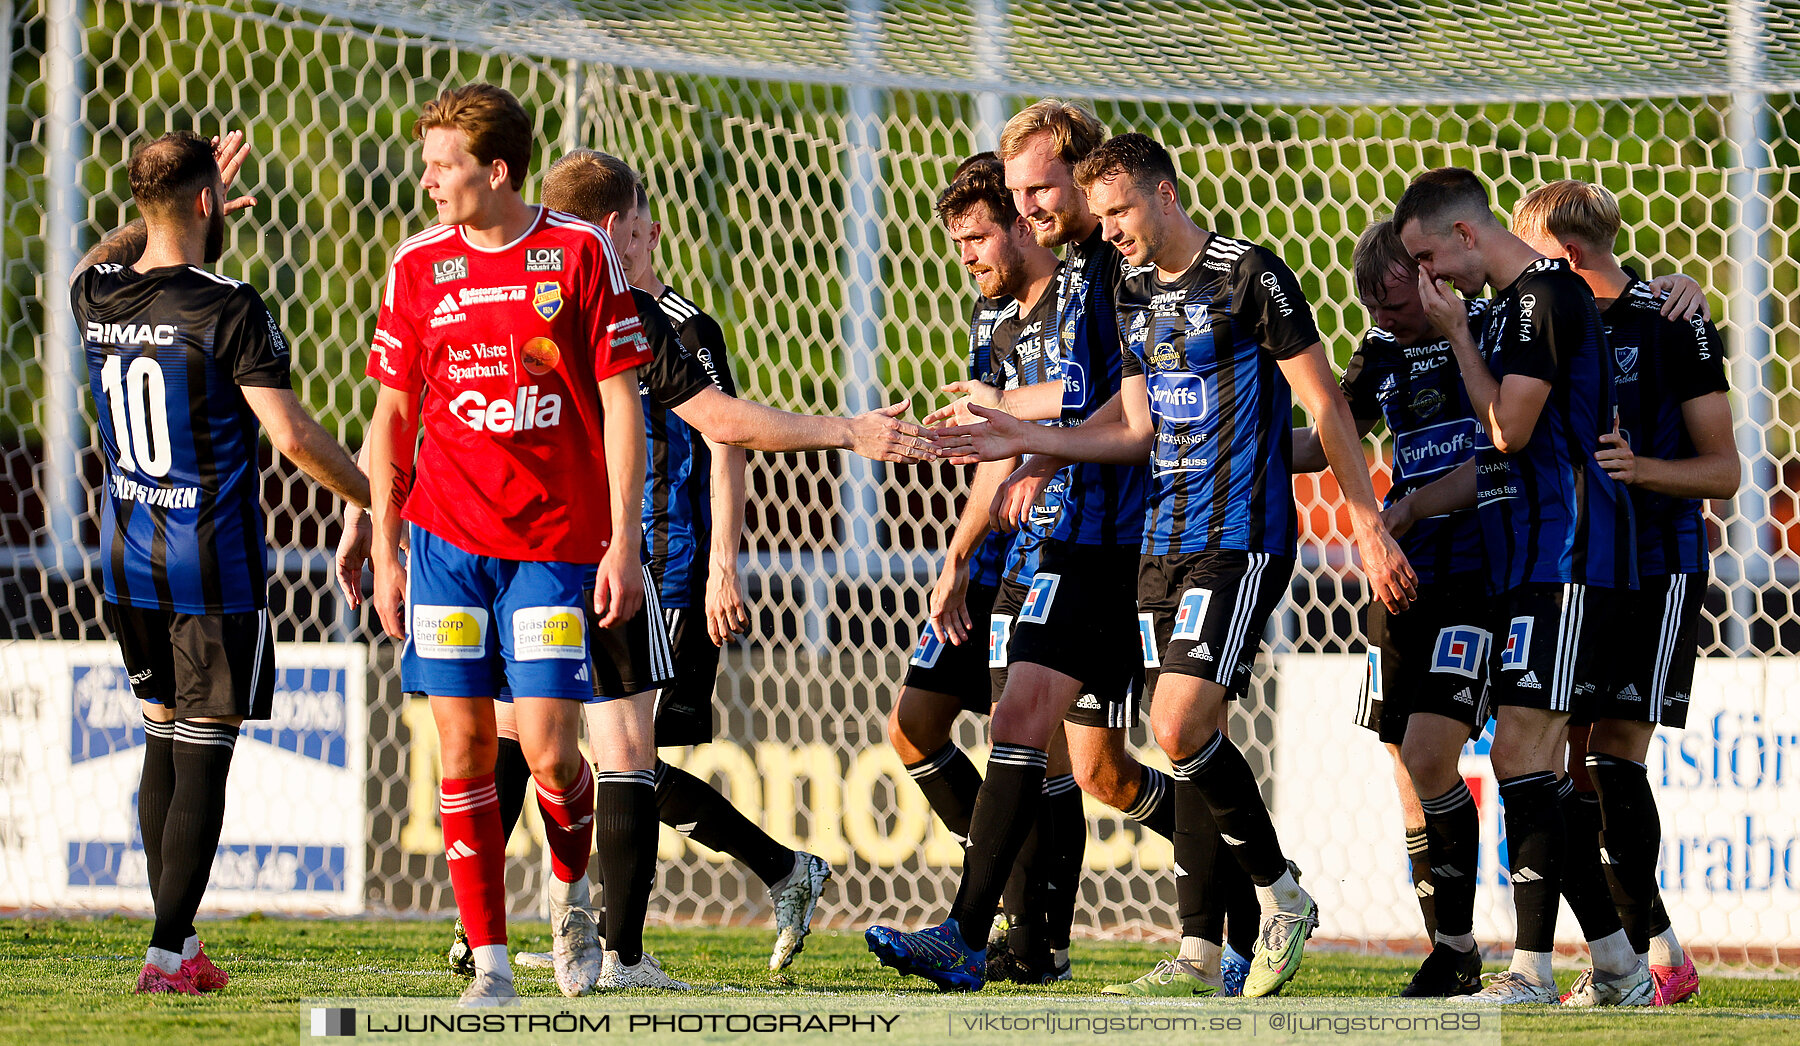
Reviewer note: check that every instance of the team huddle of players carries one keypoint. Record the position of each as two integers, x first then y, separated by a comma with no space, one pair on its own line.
554,472
1131,406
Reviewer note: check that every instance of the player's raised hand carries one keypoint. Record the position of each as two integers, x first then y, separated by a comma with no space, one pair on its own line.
950,603
1685,297
1617,457
727,615
1018,492
353,553
882,436
1391,577
966,393
994,436
1443,306
618,586
231,150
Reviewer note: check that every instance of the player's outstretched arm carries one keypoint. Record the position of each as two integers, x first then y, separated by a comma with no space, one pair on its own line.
1391,577
1309,453
1012,503
1040,402
1448,493
619,580
354,543
726,612
1119,435
1683,299
393,430
298,437
878,434
1713,472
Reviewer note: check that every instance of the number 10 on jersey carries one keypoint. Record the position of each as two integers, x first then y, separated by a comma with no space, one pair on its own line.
140,413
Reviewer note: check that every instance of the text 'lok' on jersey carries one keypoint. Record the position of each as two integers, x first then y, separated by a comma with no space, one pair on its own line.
1208,344
167,350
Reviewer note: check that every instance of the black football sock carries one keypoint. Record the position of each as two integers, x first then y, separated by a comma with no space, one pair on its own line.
1154,807
190,835
697,810
1534,845
1223,776
1062,835
511,775
950,783
155,788
625,840
1243,913
1453,835
1005,813
1418,855
1198,903
1584,884
1023,898
1658,922
1632,836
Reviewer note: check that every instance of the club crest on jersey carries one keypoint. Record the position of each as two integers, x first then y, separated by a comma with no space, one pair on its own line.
1518,644
449,269
999,634
547,299
1627,356
1460,651
1038,600
925,655
1199,320
544,259
1426,403
1147,640
1190,615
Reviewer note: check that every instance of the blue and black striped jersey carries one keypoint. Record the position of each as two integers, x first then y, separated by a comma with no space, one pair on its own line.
1105,503
1417,391
1660,364
1023,353
1549,512
990,555
181,525
687,354
1207,344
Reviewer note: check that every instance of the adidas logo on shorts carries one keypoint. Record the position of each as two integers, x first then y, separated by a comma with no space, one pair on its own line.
1630,693
1530,681
1202,652
1465,697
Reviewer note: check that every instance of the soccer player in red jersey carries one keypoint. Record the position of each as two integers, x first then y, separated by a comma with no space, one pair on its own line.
507,332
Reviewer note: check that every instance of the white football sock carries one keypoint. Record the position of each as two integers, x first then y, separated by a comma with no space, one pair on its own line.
163,959
1534,967
1203,954
491,959
1665,950
1613,954
1283,894
1462,942
568,895
190,947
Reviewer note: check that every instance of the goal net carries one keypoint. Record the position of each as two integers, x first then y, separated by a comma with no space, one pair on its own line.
792,153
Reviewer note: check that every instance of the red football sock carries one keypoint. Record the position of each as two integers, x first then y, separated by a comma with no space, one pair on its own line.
469,809
569,826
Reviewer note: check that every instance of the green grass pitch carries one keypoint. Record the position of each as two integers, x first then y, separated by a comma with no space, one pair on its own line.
69,981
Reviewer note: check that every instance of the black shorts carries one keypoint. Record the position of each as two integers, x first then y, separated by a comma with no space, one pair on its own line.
684,710
1079,617
1202,614
1088,710
204,666
1656,630
960,671
1549,640
1432,658
635,656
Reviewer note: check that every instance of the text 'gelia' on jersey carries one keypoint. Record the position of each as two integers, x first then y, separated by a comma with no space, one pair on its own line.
181,525
1660,364
1207,344
1549,512
1417,391
1105,503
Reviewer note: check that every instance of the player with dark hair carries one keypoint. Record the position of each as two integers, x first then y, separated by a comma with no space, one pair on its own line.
1672,445
1556,525
507,332
1214,331
184,364
1074,659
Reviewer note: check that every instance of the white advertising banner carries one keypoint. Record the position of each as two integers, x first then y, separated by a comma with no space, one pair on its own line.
71,739
1728,788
